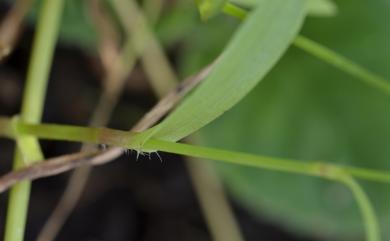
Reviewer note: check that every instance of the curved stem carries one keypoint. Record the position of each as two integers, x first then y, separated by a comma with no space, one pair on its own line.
366,209
130,140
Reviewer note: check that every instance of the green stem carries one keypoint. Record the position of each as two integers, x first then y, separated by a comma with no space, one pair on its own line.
325,54
41,60
369,217
32,106
329,56
131,140
92,135
311,168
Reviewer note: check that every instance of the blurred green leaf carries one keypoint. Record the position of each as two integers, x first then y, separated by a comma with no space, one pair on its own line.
308,110
251,53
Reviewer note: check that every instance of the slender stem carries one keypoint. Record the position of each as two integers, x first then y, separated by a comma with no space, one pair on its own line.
131,140
366,174
41,60
366,209
312,168
32,106
325,54
329,56
80,134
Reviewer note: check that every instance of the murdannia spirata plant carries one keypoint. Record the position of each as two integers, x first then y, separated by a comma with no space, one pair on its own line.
267,30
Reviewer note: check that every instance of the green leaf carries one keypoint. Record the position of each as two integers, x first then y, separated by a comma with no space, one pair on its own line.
252,52
306,109
209,8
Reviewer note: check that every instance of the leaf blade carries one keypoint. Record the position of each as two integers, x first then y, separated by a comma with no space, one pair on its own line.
253,51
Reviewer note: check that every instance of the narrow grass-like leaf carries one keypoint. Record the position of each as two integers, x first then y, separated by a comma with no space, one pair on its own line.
253,51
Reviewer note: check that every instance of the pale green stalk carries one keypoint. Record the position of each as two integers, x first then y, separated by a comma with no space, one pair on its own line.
129,140
32,107
368,213
329,56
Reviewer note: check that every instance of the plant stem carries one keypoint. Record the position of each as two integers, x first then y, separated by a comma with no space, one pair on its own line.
131,140
270,163
366,209
41,60
329,56
92,135
32,106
